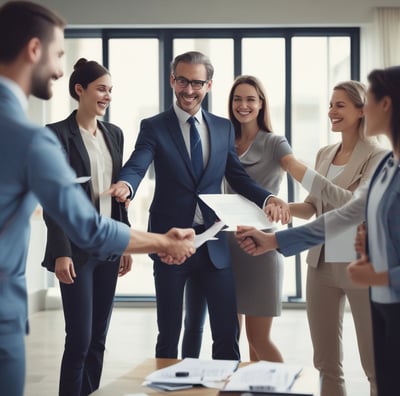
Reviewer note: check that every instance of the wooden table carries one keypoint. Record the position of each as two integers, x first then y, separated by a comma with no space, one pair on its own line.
131,382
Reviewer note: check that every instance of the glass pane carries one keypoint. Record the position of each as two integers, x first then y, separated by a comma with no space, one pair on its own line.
220,52
270,70
319,63
61,104
135,96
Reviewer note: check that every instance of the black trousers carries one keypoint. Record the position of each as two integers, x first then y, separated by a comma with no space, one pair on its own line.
386,333
87,305
216,285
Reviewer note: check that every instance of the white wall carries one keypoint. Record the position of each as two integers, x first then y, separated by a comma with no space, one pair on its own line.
199,13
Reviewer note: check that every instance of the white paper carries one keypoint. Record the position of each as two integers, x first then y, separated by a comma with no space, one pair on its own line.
199,372
208,234
263,376
340,248
82,179
235,210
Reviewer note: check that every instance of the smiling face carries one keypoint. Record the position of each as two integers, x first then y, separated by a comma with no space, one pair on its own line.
246,104
49,68
343,113
189,99
95,99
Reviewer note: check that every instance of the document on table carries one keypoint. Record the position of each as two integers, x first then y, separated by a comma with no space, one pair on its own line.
189,372
263,377
234,210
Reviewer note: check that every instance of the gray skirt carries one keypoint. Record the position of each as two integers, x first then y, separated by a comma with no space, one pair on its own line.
258,281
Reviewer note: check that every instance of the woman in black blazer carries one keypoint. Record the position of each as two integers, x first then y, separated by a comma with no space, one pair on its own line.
94,149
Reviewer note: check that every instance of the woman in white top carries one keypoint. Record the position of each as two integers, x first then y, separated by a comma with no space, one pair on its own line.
94,150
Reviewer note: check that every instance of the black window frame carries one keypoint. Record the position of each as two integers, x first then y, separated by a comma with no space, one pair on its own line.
166,37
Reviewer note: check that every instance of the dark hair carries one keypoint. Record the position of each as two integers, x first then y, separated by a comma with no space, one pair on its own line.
196,58
84,73
386,82
263,117
20,21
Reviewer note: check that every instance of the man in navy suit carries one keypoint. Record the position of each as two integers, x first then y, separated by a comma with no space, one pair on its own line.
34,169
166,140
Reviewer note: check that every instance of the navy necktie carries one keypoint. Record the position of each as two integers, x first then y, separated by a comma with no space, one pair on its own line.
196,152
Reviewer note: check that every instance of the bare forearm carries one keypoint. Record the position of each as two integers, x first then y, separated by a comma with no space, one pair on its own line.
296,169
175,246
146,242
302,210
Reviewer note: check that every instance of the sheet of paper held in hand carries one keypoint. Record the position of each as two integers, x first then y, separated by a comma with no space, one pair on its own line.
234,210
208,235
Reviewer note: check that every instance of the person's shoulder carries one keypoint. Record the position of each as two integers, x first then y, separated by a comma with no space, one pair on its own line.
111,127
23,129
375,147
328,148
63,125
215,117
160,117
270,137
34,136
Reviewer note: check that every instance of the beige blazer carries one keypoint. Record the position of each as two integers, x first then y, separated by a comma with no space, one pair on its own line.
326,195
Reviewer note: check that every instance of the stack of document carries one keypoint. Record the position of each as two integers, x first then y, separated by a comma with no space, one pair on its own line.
264,377
190,372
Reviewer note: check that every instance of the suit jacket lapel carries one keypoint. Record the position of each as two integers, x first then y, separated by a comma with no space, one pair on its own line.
327,159
212,141
77,140
112,146
352,171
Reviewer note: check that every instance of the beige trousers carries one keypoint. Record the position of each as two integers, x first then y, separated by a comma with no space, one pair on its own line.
328,285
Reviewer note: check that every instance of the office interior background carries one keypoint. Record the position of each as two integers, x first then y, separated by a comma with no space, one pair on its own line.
299,49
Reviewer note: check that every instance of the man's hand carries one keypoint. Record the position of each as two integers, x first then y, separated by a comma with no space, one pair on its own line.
64,270
255,242
179,246
125,265
277,210
362,273
120,191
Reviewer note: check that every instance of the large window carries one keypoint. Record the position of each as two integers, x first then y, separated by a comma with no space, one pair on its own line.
298,67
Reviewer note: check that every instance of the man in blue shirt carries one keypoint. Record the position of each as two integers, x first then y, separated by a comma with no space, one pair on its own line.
33,169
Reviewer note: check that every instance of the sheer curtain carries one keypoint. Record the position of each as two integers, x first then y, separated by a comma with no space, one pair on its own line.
387,28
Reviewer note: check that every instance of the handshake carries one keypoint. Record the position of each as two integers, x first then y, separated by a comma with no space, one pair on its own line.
177,246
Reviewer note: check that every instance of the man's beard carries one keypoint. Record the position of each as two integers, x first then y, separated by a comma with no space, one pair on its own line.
40,86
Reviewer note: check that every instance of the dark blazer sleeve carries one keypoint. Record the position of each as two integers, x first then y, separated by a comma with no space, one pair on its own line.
58,244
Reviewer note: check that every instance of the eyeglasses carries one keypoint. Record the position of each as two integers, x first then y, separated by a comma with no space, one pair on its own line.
183,82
